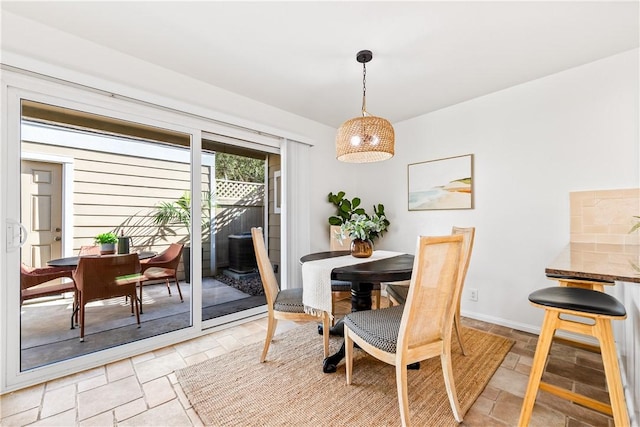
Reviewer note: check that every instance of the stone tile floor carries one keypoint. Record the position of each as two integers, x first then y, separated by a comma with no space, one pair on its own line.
143,390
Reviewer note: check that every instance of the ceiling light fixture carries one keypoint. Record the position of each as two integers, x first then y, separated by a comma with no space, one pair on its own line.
368,138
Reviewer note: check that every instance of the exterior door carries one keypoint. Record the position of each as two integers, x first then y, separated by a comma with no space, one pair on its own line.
41,211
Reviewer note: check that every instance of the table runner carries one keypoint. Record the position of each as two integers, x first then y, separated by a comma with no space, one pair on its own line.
316,279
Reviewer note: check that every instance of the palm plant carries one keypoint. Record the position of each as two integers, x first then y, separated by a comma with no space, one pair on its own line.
179,211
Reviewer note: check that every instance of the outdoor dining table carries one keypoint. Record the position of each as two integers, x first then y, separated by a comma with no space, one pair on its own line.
362,277
72,261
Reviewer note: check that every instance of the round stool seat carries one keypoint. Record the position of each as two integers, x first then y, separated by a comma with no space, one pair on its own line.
578,299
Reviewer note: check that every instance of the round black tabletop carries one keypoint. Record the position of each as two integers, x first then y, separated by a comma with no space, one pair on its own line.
391,269
72,261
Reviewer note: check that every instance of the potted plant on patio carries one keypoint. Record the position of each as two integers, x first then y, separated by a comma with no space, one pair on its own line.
107,242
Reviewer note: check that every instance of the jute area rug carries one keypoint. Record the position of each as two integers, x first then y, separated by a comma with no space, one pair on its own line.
290,389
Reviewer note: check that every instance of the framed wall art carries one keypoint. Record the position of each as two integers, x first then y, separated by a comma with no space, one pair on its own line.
441,184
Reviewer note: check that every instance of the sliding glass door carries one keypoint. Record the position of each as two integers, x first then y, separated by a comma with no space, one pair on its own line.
83,174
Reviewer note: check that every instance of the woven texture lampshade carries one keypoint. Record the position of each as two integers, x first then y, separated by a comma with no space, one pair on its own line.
368,138
365,139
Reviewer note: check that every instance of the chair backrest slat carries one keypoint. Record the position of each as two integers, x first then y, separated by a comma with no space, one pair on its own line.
467,248
268,277
429,309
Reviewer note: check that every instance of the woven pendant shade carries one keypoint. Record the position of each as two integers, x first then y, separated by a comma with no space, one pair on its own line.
365,139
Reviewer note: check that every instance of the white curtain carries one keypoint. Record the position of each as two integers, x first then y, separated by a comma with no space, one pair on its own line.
295,211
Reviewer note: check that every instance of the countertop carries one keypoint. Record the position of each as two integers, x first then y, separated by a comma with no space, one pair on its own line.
605,262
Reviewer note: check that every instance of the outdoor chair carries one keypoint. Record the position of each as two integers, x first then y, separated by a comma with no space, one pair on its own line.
397,292
104,277
283,304
34,283
162,266
421,328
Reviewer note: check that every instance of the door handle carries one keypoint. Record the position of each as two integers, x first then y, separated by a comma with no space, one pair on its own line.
58,229
57,238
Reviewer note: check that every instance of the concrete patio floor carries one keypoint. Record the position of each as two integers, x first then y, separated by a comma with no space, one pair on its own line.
46,336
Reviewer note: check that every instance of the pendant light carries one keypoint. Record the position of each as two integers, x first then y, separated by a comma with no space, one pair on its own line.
367,138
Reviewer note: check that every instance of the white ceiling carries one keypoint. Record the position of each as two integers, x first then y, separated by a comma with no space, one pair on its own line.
300,56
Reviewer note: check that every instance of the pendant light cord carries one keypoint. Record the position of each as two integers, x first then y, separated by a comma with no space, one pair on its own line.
364,89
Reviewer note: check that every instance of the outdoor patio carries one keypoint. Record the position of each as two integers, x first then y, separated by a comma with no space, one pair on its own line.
46,336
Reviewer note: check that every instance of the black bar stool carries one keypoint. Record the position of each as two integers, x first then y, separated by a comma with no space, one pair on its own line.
600,308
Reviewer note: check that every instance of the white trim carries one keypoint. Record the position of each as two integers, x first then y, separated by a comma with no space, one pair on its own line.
245,129
276,184
67,193
63,137
267,145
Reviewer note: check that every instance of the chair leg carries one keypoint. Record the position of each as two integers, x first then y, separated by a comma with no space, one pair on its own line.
447,371
458,328
81,321
325,333
348,354
377,295
271,328
545,339
168,287
333,310
403,395
75,310
134,300
140,305
604,334
178,286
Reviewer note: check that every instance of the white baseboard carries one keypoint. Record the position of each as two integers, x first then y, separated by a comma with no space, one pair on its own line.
526,327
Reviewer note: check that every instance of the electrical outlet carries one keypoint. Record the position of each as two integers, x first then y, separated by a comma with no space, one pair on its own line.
473,294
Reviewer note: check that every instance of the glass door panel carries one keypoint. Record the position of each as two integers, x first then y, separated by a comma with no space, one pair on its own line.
239,201
82,175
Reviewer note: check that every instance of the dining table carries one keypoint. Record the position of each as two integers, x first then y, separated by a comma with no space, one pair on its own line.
72,261
363,275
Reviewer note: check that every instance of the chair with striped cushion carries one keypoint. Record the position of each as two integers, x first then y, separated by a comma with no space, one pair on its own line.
421,328
397,292
283,304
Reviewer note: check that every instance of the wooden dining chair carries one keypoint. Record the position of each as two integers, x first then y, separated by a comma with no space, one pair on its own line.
421,328
397,292
285,304
104,277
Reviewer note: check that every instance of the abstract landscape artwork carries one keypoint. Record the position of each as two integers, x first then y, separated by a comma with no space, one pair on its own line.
441,184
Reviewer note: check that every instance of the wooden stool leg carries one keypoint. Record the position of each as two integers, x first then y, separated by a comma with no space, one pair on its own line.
537,367
604,334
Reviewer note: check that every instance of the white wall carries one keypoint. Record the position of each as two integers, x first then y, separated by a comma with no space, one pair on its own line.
532,145
30,45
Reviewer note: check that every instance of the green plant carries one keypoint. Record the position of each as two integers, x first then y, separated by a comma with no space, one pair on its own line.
354,220
103,238
179,211
345,208
637,224
364,227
